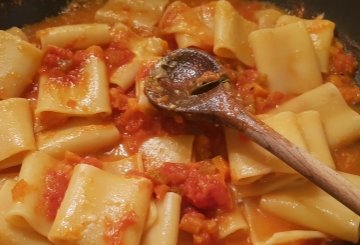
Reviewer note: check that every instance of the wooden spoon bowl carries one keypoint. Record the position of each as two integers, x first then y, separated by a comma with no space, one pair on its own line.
171,87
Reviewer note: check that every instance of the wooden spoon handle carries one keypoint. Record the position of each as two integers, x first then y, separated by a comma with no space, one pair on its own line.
317,172
223,103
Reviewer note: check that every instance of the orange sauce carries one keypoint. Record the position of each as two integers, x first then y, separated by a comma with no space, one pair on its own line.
78,12
56,183
63,66
114,231
57,180
347,159
202,184
135,127
20,190
116,55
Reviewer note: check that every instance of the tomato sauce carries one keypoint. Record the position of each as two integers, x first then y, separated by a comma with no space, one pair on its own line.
203,229
114,231
64,66
57,180
56,183
135,125
347,159
78,12
20,190
116,55
342,67
202,184
341,62
248,9
256,98
206,191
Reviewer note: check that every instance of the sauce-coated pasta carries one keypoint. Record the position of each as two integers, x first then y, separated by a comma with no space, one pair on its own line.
86,159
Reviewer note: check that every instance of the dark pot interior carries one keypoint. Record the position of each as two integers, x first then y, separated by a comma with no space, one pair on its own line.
19,13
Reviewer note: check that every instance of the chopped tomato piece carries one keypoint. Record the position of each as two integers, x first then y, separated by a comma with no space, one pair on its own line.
56,183
116,55
340,61
64,66
114,231
203,229
57,180
202,184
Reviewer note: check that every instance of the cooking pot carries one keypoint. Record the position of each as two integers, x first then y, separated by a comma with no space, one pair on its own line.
344,13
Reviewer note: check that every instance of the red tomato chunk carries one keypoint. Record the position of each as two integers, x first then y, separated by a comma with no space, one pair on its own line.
202,186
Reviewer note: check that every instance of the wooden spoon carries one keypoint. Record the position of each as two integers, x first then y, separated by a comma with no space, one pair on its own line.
179,83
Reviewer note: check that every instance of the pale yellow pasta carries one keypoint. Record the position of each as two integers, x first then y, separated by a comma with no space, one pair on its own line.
312,130
267,18
149,47
24,211
296,69
75,36
308,206
268,184
142,100
353,178
87,159
7,176
16,139
295,235
142,47
231,222
284,123
17,32
78,136
261,232
151,215
175,149
138,14
19,62
87,96
145,49
95,202
10,234
124,166
166,227
249,162
124,76
185,40
231,33
341,123
247,159
321,33
191,26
